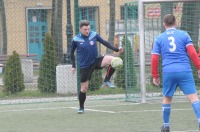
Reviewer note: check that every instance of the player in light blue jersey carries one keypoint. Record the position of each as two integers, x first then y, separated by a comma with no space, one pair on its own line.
87,53
174,46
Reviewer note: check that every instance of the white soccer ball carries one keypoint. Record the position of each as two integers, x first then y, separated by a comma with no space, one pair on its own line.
117,63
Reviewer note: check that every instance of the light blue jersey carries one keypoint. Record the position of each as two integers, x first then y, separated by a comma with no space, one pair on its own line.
171,45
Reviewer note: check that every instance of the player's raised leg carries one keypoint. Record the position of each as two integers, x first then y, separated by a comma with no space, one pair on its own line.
106,60
110,71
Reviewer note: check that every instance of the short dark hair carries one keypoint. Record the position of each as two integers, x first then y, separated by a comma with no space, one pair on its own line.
84,23
169,20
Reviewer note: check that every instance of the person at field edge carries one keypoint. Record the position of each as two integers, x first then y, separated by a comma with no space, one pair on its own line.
174,46
87,52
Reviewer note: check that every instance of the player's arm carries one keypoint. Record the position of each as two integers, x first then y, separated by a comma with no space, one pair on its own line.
154,69
154,65
155,62
155,58
107,44
73,48
193,56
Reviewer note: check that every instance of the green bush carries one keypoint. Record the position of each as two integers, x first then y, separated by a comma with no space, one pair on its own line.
47,71
127,72
13,77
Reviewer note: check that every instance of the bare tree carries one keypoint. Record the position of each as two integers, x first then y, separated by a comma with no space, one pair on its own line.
111,24
3,29
69,31
56,27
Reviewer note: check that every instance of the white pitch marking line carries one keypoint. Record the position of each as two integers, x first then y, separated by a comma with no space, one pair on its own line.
103,111
93,106
140,111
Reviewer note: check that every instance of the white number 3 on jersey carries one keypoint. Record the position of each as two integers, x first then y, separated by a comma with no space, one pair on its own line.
172,44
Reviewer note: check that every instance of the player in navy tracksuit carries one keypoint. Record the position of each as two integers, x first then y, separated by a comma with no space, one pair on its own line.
86,45
174,46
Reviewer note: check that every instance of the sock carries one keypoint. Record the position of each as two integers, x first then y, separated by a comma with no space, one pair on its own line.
82,97
196,108
166,114
109,73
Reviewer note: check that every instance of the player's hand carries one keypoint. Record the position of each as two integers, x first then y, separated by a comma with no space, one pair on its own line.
121,50
199,73
156,81
73,71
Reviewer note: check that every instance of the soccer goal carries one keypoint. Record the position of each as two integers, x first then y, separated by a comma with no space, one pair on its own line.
150,16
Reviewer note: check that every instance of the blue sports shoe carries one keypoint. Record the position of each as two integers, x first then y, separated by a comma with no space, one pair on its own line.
80,111
109,84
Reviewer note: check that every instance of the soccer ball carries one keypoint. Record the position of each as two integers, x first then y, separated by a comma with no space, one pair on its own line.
117,63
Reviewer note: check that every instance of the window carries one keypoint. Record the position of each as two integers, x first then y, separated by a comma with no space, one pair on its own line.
37,15
132,12
89,13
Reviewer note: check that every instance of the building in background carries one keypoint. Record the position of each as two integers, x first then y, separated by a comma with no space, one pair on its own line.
27,22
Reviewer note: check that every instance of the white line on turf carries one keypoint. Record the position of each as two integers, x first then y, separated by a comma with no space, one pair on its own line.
140,111
53,108
102,111
95,110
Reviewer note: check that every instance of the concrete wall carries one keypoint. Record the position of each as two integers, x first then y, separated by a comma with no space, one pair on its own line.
27,69
66,82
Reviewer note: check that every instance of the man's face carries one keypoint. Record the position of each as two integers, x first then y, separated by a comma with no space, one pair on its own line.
85,30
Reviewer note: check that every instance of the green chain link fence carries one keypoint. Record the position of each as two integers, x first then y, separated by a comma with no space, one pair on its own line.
41,31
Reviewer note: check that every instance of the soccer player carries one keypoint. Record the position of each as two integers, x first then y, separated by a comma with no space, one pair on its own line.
174,46
87,53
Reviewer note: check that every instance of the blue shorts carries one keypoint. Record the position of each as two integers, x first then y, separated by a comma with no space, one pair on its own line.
183,80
